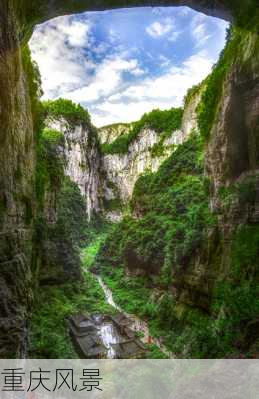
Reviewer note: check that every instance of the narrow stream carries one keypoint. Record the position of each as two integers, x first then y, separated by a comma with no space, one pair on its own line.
107,331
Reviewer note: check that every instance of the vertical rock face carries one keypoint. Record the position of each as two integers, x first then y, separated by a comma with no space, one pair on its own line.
108,134
106,181
81,160
233,147
17,199
145,154
189,120
124,169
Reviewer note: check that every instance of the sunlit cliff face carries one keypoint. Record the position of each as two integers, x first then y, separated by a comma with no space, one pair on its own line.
122,63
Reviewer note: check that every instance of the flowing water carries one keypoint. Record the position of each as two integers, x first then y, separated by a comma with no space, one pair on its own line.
110,336
108,294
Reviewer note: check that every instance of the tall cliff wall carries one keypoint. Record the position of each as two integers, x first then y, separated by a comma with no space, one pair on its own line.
232,145
82,160
61,212
106,181
144,154
17,195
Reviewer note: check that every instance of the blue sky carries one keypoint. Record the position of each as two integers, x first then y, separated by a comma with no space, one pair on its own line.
122,63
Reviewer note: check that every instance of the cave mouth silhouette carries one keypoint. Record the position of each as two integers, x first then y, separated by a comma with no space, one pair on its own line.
45,11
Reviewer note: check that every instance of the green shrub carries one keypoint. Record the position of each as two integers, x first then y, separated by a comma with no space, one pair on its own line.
113,204
54,304
173,210
208,106
49,167
73,113
242,192
193,91
245,253
32,73
52,136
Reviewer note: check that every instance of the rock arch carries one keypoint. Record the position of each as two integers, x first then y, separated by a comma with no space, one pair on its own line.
17,141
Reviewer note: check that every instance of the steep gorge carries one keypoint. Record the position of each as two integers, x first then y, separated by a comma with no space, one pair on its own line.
231,164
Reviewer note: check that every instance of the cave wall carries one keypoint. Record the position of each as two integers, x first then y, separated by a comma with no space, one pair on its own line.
42,10
17,144
17,198
233,147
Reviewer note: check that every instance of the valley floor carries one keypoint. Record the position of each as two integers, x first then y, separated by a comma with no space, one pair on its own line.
49,337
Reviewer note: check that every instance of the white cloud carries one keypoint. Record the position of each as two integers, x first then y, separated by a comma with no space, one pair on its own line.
163,92
174,36
58,48
200,34
76,32
200,30
158,29
111,81
137,71
108,78
165,62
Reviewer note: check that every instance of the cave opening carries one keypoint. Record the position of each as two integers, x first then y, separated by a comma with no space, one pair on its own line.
119,65
122,63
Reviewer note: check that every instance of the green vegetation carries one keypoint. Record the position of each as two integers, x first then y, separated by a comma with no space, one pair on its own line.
59,234
163,241
134,296
32,73
237,296
229,330
173,218
245,13
243,192
52,136
169,225
113,204
71,217
127,293
174,208
186,332
49,333
130,294
163,122
158,149
208,107
73,113
96,237
50,168
192,92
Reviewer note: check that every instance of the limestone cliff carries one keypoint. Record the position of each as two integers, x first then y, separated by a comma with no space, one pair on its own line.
106,181
232,143
61,213
81,160
145,154
108,134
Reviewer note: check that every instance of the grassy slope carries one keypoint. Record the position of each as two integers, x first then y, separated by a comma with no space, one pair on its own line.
49,333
